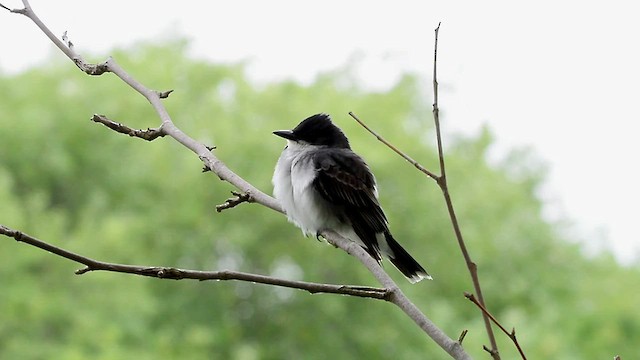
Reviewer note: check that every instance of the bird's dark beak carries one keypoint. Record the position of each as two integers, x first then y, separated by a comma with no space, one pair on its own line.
287,134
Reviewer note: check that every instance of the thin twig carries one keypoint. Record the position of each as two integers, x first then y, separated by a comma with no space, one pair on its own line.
238,199
511,335
179,274
436,110
395,149
442,181
149,134
463,334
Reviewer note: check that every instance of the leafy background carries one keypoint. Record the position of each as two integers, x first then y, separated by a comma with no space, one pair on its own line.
82,187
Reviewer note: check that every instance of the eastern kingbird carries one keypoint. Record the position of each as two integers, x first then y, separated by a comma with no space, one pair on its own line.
323,185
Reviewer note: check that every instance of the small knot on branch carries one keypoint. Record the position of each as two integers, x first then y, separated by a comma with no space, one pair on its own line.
164,273
17,235
164,94
83,270
91,69
493,353
238,199
66,40
204,159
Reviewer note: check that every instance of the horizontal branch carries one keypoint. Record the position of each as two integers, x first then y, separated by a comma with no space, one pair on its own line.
149,134
162,272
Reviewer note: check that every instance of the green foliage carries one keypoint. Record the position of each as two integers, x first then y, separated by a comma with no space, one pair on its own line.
85,188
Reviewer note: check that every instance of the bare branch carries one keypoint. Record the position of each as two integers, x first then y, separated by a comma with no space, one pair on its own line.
238,199
441,180
149,134
511,335
436,110
15,11
395,149
179,274
168,128
473,269
64,45
396,295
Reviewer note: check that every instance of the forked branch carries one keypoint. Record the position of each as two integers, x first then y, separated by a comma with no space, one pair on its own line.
511,335
162,272
441,180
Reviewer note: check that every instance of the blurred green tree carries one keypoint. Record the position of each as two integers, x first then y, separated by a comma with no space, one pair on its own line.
82,187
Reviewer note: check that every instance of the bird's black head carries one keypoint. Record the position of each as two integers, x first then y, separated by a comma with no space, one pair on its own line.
317,130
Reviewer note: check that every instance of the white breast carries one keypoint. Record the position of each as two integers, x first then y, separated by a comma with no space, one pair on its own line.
293,187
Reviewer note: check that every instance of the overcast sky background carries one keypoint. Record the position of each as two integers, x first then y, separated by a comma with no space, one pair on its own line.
561,77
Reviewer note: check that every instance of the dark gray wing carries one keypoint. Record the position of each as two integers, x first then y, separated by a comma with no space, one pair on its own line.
344,180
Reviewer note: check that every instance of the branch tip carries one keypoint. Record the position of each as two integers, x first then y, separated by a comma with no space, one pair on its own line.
462,336
238,199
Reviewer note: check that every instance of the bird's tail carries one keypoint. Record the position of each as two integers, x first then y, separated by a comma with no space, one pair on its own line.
401,259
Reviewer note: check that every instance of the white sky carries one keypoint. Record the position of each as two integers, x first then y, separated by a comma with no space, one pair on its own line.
562,77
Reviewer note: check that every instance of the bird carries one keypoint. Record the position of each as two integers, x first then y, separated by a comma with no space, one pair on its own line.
323,185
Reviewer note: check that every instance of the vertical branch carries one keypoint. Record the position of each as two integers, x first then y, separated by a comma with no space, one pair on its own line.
436,112
442,182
